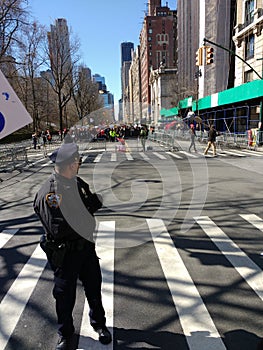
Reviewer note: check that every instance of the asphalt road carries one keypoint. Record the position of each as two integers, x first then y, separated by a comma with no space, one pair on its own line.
180,238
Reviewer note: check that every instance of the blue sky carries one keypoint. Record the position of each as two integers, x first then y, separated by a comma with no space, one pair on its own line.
101,25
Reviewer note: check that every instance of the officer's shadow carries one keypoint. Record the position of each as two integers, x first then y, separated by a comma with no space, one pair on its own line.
136,339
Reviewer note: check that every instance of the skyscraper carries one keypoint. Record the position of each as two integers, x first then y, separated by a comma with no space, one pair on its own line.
126,49
59,47
126,56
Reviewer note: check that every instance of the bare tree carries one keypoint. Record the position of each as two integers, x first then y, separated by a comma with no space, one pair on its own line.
86,95
31,59
63,57
13,16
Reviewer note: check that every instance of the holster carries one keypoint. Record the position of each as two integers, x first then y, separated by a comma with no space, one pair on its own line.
55,252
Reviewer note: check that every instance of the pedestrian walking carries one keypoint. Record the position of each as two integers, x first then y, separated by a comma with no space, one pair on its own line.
212,133
143,137
192,137
44,139
34,140
66,206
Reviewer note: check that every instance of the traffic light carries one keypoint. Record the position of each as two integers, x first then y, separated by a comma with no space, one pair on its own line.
209,55
199,57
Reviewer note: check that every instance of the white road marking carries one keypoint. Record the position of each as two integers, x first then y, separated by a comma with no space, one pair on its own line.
98,158
195,319
113,157
5,236
175,155
247,269
254,220
105,251
144,156
15,300
161,156
234,153
254,153
128,156
189,154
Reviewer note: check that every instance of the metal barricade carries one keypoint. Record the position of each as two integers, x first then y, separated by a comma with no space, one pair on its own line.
12,157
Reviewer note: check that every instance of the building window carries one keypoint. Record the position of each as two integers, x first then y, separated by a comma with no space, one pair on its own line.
249,46
150,31
248,76
249,11
149,38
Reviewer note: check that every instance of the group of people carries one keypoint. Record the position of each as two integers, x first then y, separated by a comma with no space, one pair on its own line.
42,137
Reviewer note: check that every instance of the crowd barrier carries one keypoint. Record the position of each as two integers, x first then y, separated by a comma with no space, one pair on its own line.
12,157
169,138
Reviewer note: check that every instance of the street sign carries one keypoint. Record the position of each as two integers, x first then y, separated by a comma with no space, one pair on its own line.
13,114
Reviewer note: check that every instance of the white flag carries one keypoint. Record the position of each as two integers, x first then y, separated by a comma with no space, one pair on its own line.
13,114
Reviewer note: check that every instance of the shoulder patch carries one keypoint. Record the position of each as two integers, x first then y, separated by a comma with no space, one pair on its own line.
53,200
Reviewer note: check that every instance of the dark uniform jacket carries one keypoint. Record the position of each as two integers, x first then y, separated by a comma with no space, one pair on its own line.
66,207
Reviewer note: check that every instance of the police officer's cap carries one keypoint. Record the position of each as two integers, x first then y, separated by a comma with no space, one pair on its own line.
65,154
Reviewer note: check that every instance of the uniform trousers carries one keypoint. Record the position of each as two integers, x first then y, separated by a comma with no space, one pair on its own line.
83,265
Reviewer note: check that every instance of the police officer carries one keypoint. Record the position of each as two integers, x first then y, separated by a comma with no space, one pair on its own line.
65,207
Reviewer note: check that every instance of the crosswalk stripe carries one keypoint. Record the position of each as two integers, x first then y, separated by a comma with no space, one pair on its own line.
194,316
144,156
47,164
105,251
129,156
113,157
234,153
98,158
161,156
221,154
247,269
84,158
175,155
254,220
5,236
254,153
188,154
15,300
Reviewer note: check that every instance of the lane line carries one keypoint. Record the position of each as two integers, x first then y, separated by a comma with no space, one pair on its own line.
6,235
254,220
195,319
105,251
247,269
14,302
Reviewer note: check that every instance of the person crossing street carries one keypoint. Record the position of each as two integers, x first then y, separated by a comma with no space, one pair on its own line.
211,141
